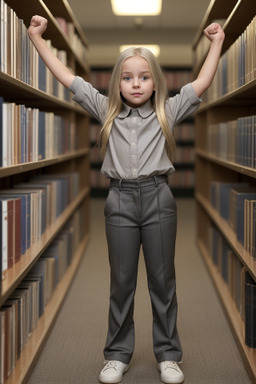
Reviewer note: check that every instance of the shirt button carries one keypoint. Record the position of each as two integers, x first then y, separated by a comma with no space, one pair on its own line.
134,170
133,144
133,131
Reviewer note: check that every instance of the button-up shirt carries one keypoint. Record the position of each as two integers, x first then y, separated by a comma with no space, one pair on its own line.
136,146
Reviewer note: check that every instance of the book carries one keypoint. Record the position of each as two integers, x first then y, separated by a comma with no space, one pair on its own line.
9,345
237,197
1,129
2,346
35,205
220,196
228,266
10,231
4,237
4,135
19,58
39,279
41,74
236,66
22,335
250,311
25,214
250,227
32,286
21,229
13,335
29,134
40,193
20,314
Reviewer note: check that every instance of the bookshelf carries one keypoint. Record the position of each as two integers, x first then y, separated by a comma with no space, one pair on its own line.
182,181
225,161
52,178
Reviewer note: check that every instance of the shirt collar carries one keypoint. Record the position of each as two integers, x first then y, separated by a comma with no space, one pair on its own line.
144,111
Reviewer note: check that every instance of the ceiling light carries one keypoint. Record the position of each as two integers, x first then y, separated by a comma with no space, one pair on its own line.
136,7
155,49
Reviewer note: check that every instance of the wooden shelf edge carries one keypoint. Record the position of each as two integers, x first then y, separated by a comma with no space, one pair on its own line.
210,16
231,97
237,325
229,235
53,32
25,167
65,38
227,164
75,22
21,268
62,8
230,17
203,24
30,94
39,335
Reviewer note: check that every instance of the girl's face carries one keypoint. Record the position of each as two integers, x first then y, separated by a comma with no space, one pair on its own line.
136,84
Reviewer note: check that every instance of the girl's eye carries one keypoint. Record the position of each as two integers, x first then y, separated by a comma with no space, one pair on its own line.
126,78
144,78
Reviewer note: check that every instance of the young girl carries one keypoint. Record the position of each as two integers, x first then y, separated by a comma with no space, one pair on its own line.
138,119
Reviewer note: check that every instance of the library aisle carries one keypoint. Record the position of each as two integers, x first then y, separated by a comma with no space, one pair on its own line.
73,352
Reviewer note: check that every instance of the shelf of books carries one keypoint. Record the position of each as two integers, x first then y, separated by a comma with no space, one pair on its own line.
182,181
226,171
44,180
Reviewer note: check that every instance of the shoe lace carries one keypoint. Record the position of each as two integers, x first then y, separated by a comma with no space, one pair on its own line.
112,364
171,365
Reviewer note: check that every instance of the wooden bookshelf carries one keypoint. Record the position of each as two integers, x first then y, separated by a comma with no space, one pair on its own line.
227,107
21,168
21,268
248,354
14,90
38,338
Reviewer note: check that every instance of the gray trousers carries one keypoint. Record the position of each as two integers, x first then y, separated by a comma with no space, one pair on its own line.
141,213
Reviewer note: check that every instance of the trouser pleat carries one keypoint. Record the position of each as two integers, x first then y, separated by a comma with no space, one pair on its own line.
147,217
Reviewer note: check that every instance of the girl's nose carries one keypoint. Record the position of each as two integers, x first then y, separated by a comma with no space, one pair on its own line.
136,83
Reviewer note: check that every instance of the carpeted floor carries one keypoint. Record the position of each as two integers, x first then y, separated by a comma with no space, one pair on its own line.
73,352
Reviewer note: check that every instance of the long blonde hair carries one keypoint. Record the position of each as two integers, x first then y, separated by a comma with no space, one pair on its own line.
158,98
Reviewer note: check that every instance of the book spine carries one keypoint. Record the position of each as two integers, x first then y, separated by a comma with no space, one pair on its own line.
250,311
28,134
4,238
20,314
234,140
236,66
19,58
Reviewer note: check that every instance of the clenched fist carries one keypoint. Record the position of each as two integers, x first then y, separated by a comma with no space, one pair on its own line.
38,25
214,32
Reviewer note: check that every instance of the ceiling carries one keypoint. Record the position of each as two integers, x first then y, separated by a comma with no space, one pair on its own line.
174,30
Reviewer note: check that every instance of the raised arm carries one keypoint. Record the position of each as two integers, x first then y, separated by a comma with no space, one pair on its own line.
37,27
204,79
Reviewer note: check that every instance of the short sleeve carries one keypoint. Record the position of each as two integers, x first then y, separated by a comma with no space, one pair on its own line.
89,98
182,105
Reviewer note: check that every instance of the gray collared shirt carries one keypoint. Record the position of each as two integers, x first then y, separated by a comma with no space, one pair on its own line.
136,146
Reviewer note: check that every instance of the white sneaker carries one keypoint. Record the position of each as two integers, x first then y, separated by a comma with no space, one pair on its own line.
113,372
170,372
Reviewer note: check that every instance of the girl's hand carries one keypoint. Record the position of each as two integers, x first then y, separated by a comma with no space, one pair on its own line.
38,25
214,32
216,36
